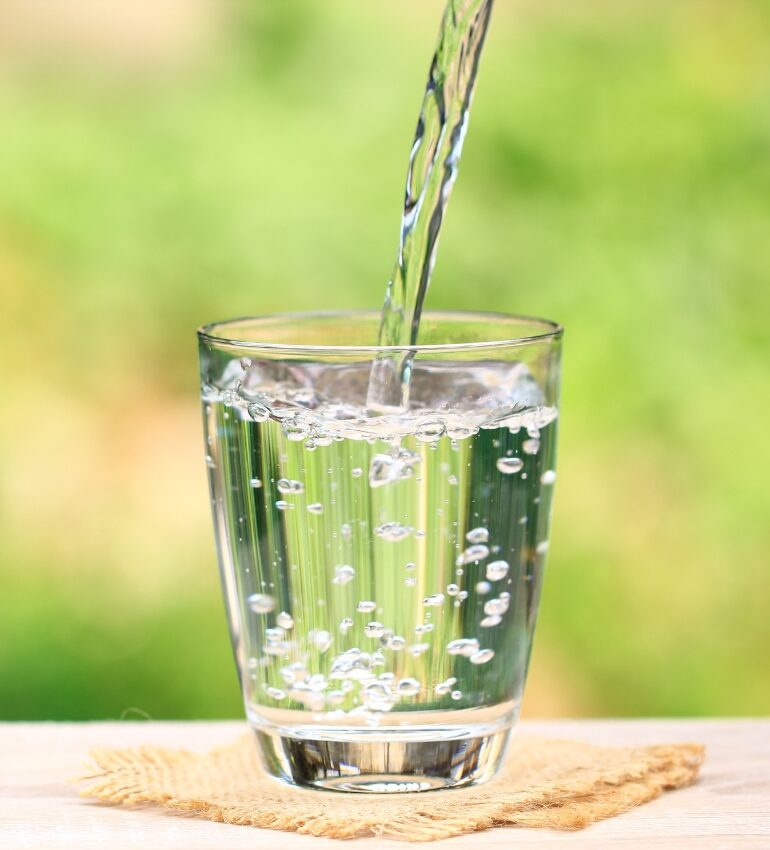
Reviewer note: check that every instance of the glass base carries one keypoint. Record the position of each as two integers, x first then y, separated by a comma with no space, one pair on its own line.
383,764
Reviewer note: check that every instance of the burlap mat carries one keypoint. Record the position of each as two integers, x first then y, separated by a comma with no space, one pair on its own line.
544,783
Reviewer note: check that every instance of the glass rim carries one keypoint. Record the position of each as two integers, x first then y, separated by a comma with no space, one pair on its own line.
551,331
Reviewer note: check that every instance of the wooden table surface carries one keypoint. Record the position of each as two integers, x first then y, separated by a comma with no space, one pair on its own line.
728,808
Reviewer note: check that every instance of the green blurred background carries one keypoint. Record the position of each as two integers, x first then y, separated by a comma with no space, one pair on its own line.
162,168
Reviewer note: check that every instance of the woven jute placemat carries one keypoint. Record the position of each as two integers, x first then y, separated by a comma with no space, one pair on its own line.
544,783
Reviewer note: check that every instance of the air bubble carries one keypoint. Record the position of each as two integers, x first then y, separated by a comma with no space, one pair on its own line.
542,547
463,646
496,606
315,508
356,472
429,430
285,620
477,552
255,483
343,574
457,695
453,480
443,688
408,687
548,477
418,648
497,570
423,628
531,446
410,582
374,629
345,625
483,587
283,505
275,693
261,603
351,664
482,656
394,642
346,531
366,606
433,601
321,639
290,486
477,535
393,532
492,620
509,465
377,691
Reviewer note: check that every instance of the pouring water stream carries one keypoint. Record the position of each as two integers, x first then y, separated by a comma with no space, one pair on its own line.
433,163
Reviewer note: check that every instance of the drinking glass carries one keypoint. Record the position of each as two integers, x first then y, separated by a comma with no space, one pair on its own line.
381,568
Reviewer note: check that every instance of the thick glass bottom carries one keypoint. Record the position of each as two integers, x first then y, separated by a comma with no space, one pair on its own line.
384,760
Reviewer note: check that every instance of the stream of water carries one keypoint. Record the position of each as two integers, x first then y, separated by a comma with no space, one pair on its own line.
433,163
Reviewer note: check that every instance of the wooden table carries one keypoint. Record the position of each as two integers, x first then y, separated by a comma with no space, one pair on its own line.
728,808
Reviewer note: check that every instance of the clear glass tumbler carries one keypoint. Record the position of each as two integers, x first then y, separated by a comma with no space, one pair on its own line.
381,570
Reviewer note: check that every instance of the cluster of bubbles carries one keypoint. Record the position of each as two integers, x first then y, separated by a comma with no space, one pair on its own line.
357,671
352,671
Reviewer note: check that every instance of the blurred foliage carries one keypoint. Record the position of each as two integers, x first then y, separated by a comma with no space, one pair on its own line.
616,178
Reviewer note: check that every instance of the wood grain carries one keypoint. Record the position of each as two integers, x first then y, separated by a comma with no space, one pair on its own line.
728,808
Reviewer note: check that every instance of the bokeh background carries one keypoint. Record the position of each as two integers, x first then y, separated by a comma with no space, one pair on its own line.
166,164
